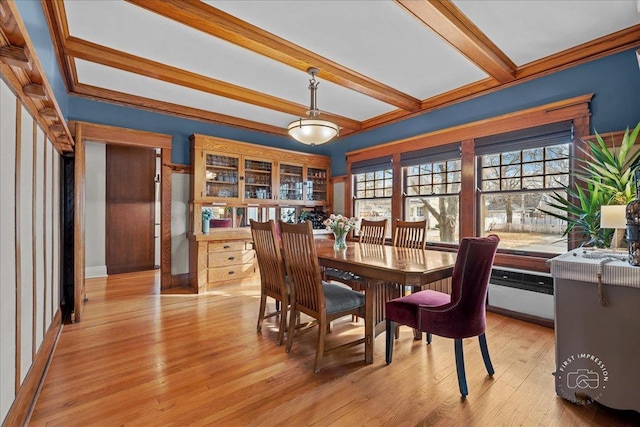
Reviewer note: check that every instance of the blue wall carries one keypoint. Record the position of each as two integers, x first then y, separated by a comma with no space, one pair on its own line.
615,81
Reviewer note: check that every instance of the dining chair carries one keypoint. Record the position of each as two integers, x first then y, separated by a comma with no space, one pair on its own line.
310,295
371,232
459,315
273,281
410,234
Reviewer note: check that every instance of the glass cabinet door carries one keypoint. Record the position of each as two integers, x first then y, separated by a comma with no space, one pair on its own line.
221,176
291,183
257,179
317,184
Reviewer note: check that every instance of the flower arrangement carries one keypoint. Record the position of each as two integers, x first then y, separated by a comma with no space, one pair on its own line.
206,214
340,226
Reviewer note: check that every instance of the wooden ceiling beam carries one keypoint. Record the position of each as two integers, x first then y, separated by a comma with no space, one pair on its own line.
139,102
446,20
212,21
124,61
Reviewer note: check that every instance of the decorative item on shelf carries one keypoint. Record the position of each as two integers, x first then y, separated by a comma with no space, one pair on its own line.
313,131
340,226
633,223
614,216
316,217
206,218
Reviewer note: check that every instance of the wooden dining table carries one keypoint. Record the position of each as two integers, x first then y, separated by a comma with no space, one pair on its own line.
385,270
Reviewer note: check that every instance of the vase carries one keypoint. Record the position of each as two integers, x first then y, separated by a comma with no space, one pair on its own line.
339,242
205,226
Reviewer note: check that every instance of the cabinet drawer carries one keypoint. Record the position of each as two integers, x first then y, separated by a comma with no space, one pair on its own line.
229,273
222,259
226,246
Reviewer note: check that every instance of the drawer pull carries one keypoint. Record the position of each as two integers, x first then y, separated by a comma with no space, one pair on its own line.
231,258
232,272
226,247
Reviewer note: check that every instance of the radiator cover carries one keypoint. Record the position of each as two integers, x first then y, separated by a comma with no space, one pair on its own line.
522,291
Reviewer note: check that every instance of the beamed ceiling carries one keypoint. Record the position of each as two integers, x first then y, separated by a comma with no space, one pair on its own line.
243,63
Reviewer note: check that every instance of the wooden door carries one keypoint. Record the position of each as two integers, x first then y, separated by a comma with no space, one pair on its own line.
130,203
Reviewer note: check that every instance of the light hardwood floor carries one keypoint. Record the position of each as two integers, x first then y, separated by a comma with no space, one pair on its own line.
140,358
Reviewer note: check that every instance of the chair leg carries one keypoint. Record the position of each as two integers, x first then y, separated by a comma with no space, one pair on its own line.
277,305
283,323
293,314
462,378
485,353
263,306
322,331
389,335
428,337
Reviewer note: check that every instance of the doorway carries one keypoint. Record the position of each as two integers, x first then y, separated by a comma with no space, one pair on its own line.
130,209
82,132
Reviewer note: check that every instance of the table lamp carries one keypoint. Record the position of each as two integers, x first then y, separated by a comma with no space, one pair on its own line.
614,216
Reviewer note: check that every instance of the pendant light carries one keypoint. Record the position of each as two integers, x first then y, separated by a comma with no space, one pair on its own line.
313,131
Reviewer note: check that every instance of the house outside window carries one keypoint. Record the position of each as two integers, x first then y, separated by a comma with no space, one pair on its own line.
373,187
432,179
517,174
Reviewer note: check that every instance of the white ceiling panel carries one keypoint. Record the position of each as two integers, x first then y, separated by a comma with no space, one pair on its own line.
529,30
148,35
122,81
375,38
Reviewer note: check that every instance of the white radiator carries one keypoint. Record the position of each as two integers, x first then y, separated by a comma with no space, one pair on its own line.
522,291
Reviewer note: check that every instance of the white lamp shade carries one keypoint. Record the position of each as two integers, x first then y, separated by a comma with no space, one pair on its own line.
613,216
312,131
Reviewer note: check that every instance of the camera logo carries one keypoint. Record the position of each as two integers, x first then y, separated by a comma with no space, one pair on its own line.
583,378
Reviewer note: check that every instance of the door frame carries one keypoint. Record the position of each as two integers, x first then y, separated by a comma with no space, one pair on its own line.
85,131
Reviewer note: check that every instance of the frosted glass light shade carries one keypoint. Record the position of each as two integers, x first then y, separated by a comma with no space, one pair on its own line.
312,131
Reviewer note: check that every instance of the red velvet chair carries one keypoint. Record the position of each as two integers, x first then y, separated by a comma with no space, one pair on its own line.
459,315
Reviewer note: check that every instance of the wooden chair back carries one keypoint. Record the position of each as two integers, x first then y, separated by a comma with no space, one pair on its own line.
410,234
265,244
373,231
273,281
301,259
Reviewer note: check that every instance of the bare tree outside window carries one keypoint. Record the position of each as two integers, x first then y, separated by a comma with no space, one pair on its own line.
432,193
514,185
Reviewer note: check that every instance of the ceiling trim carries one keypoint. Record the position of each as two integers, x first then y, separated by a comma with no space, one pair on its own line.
446,20
217,23
619,41
89,51
128,100
56,16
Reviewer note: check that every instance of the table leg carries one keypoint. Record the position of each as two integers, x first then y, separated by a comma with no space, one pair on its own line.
369,320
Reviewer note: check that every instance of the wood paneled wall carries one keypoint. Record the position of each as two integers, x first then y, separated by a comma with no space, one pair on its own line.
29,255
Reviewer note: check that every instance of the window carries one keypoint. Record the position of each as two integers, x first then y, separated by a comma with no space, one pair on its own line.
517,173
373,185
432,179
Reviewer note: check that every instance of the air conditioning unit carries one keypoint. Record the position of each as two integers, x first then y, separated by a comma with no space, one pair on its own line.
522,291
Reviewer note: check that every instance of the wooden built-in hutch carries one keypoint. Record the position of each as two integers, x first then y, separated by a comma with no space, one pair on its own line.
239,181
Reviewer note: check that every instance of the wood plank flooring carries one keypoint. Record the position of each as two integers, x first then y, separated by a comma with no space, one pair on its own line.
141,358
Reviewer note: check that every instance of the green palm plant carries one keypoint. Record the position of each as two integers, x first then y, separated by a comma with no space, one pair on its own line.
605,177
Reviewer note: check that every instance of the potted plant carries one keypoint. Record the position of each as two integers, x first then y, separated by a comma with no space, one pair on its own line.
605,177
207,215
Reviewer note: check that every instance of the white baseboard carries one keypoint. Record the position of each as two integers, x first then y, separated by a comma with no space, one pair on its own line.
98,271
